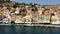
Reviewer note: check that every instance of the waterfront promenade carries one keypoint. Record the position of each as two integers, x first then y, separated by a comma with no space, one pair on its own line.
32,25
13,12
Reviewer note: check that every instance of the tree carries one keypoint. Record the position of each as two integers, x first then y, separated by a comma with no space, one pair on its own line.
16,5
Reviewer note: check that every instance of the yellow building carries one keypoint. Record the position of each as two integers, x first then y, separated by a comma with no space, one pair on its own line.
44,18
54,20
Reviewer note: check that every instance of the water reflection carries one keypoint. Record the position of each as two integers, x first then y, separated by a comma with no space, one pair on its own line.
28,30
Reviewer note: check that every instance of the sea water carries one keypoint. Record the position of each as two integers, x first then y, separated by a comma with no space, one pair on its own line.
28,30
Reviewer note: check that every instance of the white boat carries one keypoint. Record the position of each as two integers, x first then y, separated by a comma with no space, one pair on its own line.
28,24
5,20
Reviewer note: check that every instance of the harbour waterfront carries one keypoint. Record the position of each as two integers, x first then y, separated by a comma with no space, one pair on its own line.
14,12
32,25
28,30
22,18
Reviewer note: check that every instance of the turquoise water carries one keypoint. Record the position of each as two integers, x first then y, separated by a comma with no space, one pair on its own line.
28,30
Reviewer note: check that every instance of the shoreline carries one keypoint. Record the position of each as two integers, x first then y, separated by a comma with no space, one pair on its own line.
27,25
